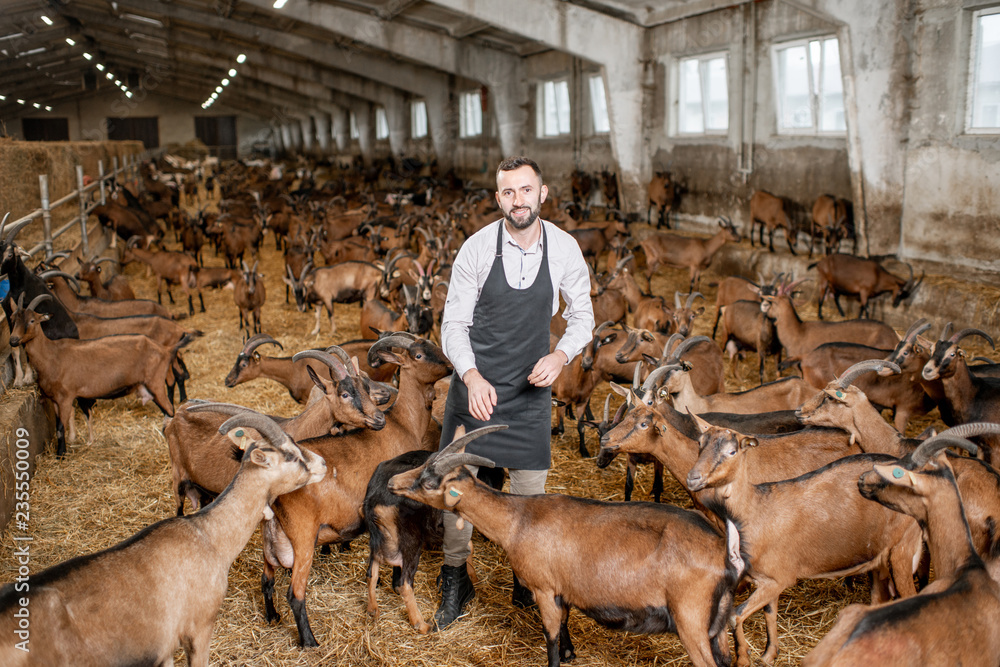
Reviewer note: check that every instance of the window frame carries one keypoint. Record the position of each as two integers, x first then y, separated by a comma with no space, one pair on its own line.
463,120
414,105
974,62
675,92
540,109
815,100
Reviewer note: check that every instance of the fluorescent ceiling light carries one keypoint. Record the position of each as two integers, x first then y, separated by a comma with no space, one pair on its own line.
2,98
118,82
241,58
88,56
100,67
70,42
13,35
20,101
37,105
128,94
218,89
45,19
40,49
143,19
48,108
215,96
225,82
110,76
278,4
232,72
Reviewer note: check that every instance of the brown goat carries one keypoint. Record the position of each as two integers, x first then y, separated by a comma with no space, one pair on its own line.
171,268
679,575
829,222
115,289
61,287
661,195
769,211
686,252
249,293
860,277
921,630
826,529
171,577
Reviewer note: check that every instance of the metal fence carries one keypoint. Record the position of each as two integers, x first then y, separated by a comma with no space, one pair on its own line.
82,198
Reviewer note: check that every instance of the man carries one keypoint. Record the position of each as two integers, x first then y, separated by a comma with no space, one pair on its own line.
504,290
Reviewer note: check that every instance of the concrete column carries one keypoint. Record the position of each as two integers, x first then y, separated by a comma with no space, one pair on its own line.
397,114
277,140
364,115
508,93
623,81
286,140
295,131
322,122
442,124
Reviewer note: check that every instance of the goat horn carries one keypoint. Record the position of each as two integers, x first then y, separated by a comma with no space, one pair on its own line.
954,436
691,297
4,222
14,229
335,364
972,332
607,407
454,454
686,345
654,378
916,329
387,342
862,367
256,341
37,300
623,261
636,374
55,273
340,352
673,340
264,425
677,300
600,329
947,331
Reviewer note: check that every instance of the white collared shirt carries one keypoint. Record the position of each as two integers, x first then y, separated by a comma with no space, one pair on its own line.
567,269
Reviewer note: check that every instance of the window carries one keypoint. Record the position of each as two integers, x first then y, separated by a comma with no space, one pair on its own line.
552,104
355,134
470,114
418,119
984,79
702,95
810,92
598,104
381,124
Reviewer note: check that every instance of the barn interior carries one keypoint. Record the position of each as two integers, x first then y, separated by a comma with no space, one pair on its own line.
892,107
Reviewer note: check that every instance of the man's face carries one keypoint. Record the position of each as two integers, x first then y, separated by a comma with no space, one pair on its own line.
520,194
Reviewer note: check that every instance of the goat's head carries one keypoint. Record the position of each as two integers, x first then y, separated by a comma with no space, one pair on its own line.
719,455
26,322
947,356
912,351
684,316
899,485
838,403
247,366
412,354
637,342
634,430
603,335
346,392
437,481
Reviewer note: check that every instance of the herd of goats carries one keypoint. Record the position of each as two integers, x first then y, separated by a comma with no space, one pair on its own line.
799,478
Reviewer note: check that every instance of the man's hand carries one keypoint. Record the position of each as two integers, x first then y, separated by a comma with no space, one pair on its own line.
547,369
482,395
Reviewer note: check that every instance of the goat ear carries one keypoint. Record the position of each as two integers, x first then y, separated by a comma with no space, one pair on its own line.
748,442
895,474
242,436
262,458
44,317
702,425
451,495
686,365
699,311
924,342
324,385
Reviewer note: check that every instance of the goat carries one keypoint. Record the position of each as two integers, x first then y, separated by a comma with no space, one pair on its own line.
347,282
115,289
571,393
415,318
864,278
661,195
681,576
172,576
730,290
125,222
69,300
921,630
329,512
783,394
199,456
594,240
399,529
769,211
798,337
685,252
843,405
744,327
968,398
784,537
704,357
250,294
581,187
829,213
171,268
85,370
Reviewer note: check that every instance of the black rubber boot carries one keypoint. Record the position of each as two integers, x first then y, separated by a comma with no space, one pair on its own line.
456,591
522,596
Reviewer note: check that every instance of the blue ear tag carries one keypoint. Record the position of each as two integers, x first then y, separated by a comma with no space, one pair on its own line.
897,473
840,394
453,493
240,433
4,288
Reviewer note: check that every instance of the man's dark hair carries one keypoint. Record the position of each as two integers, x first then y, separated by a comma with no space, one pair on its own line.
518,161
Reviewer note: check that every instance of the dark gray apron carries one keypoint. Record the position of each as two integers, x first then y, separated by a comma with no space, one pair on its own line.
509,334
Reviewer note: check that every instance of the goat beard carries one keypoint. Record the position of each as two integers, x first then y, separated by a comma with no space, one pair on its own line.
527,222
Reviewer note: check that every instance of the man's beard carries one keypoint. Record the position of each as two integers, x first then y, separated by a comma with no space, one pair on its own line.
527,222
